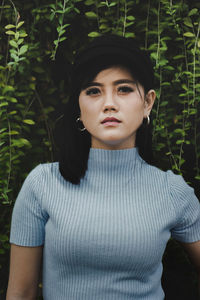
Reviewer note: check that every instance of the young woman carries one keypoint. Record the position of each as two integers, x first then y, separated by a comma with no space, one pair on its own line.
98,221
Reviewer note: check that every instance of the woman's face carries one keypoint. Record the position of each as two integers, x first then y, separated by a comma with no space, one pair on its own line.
113,107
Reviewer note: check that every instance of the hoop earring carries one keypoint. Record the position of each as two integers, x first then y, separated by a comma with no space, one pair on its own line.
80,129
147,120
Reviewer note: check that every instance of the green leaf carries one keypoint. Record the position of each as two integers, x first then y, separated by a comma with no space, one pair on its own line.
188,22
192,111
30,122
91,14
129,24
94,34
189,34
59,11
112,4
164,103
23,34
20,143
179,130
15,57
8,88
13,132
4,103
103,26
11,63
194,11
51,17
2,130
10,32
63,38
12,50
20,24
163,62
154,55
22,58
64,26
129,34
89,2
23,49
17,35
13,44
13,112
179,142
67,10
178,56
9,26
62,32
77,10
130,18
20,41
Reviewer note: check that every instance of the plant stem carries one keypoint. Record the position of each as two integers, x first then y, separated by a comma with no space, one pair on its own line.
158,47
125,16
194,64
147,25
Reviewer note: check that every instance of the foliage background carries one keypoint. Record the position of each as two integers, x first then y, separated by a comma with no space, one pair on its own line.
38,40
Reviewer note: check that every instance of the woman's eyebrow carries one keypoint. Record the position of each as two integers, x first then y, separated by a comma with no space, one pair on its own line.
120,81
93,83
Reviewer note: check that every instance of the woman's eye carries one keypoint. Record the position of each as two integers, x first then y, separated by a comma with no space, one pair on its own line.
125,89
92,91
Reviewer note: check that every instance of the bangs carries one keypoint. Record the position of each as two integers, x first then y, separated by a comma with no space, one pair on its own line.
89,71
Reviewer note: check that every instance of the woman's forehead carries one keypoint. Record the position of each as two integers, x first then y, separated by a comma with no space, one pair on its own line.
116,74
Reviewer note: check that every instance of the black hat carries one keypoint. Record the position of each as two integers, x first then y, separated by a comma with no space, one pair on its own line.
116,50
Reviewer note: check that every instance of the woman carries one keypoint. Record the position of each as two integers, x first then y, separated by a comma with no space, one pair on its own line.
99,219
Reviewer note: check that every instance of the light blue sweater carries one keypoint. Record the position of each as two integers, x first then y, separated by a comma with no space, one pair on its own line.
104,239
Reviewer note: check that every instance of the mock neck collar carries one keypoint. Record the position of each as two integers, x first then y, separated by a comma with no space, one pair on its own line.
113,156
116,164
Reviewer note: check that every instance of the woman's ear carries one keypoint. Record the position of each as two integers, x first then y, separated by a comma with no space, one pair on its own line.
149,102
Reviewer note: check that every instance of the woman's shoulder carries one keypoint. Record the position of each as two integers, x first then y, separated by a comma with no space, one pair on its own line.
169,175
45,168
41,172
49,167
175,183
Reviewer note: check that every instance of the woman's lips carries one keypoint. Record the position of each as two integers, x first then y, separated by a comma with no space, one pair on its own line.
110,121
111,124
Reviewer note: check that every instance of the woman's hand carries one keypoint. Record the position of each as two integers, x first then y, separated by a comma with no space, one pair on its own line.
25,263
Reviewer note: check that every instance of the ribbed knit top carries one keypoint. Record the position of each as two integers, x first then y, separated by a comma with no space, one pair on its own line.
104,239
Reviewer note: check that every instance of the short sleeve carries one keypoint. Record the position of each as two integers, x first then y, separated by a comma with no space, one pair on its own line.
187,210
28,218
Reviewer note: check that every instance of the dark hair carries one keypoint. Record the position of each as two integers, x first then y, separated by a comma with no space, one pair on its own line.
102,53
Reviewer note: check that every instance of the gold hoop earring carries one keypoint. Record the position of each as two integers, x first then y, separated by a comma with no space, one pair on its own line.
80,129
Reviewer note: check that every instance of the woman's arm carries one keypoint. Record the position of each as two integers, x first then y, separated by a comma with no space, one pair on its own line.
193,250
25,263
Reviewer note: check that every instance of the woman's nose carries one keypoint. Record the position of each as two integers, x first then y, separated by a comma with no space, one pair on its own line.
110,103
